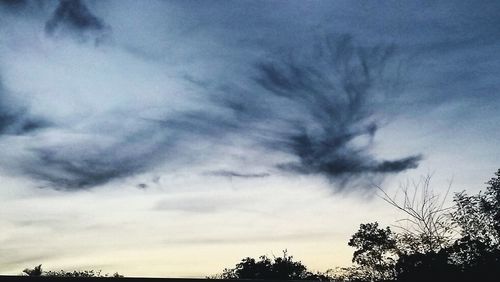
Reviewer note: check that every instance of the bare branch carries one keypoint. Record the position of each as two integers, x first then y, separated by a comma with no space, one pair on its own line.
427,219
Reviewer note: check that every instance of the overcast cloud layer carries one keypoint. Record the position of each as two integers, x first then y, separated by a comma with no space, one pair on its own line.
97,91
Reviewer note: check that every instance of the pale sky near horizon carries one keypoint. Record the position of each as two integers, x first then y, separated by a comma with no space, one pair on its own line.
174,138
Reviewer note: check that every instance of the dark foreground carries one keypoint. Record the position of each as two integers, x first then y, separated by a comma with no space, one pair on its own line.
465,278
123,279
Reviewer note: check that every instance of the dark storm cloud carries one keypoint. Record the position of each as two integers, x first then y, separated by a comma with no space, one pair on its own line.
397,165
75,16
314,105
78,171
16,120
13,4
336,88
318,102
86,164
18,5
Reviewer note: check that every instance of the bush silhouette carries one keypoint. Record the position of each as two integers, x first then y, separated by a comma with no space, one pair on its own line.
37,271
277,268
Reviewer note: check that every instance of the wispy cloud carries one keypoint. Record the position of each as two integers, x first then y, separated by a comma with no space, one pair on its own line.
288,238
315,105
229,173
312,106
336,89
187,89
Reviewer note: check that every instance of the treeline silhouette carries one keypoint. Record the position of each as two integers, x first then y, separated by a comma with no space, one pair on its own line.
433,242
37,271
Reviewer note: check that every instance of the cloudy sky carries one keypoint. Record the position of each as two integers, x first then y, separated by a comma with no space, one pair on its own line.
173,138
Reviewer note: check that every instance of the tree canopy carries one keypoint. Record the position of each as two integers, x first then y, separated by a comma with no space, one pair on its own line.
458,243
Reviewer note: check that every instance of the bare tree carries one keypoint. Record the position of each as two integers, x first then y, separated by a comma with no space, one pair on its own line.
427,225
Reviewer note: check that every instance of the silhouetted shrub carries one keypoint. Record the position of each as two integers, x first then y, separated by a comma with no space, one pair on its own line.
37,271
277,268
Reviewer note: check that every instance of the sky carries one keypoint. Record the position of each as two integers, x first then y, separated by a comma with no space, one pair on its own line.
173,138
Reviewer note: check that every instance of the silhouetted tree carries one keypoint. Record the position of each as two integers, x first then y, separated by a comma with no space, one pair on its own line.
35,271
459,243
277,268
430,266
478,218
375,251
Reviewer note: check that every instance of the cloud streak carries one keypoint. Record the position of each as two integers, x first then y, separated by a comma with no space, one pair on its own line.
229,173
